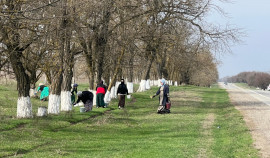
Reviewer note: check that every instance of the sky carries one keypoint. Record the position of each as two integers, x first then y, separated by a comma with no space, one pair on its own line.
253,54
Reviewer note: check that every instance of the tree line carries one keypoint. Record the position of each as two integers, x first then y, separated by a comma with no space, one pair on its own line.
142,39
255,79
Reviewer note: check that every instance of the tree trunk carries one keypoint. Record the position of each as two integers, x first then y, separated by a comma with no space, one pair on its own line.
88,49
159,70
91,79
100,63
101,39
146,75
24,106
42,111
116,69
33,80
66,104
68,58
90,65
107,78
130,74
55,91
12,38
108,93
130,68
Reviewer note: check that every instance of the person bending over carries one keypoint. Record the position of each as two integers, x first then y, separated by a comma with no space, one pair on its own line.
87,98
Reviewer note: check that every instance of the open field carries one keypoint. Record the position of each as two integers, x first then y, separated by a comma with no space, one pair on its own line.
203,123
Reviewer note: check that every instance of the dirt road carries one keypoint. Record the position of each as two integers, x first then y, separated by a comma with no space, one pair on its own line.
255,107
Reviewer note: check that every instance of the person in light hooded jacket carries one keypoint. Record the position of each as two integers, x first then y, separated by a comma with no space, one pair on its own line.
164,96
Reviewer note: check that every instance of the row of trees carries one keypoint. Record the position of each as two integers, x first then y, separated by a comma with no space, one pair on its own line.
139,39
255,79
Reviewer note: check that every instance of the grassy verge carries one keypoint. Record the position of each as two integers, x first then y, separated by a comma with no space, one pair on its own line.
244,85
202,124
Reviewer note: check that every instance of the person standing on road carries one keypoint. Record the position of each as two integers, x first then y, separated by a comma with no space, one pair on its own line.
101,91
122,91
164,97
87,98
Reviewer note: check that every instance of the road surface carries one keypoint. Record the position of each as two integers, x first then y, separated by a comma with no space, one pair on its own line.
254,105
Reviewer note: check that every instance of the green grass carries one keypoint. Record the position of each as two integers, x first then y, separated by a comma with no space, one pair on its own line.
244,85
136,131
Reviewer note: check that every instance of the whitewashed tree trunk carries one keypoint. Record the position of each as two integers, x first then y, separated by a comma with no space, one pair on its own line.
94,97
107,98
159,84
130,87
113,93
156,82
152,83
116,87
66,101
136,81
54,104
24,107
42,111
142,87
175,83
170,82
147,84
32,92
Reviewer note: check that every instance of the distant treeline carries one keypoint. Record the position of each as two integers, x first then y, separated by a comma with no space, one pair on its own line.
256,79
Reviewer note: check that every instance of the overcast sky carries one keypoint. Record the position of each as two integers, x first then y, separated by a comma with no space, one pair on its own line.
253,16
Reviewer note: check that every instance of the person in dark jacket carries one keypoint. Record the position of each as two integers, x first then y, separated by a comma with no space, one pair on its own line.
164,96
101,91
73,92
122,91
87,98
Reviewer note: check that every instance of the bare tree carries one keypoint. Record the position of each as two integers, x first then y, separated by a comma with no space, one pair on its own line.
12,27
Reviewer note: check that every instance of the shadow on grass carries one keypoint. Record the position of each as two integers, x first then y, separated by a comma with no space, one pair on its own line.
24,151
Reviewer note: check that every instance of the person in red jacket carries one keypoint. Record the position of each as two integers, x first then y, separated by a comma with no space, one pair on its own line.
101,91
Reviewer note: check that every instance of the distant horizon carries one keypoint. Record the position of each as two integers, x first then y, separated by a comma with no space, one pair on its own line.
241,72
